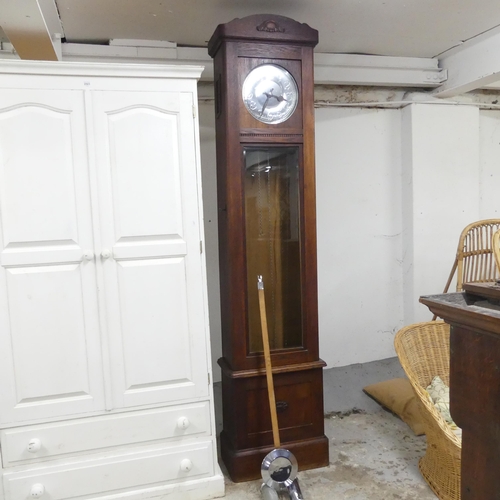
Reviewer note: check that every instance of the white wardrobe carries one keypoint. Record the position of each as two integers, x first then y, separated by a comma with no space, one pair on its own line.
105,377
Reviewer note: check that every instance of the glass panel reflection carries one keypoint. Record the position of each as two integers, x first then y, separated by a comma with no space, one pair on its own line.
272,219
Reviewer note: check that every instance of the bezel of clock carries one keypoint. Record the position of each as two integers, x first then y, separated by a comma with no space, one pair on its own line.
270,93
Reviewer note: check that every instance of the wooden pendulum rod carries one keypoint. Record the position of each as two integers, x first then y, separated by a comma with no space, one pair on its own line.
267,359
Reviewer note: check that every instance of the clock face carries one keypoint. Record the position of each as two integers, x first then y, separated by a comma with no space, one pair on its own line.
270,93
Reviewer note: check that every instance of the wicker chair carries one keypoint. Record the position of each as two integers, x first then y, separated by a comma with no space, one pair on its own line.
424,352
474,261
495,243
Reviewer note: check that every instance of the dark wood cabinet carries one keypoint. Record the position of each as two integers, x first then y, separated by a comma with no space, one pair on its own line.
474,316
264,90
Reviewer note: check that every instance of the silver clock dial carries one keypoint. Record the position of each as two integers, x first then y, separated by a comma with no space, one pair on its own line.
270,93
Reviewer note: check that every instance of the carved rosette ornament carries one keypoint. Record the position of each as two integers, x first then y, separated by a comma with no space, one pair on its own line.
270,26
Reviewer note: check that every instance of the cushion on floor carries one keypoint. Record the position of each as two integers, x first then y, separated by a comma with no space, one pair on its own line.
397,396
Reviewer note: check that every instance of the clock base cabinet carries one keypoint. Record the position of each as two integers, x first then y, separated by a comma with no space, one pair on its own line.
105,380
247,436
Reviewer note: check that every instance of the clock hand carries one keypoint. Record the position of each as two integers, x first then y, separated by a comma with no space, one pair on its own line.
265,104
270,94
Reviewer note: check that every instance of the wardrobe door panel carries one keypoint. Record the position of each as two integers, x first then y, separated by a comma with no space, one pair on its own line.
154,286
49,333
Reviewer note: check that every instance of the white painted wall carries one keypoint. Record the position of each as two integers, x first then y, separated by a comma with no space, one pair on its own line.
440,167
489,164
394,189
358,193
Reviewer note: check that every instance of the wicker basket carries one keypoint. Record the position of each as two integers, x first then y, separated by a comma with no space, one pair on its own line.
424,352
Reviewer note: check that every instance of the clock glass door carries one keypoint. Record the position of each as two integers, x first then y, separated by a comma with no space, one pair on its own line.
272,224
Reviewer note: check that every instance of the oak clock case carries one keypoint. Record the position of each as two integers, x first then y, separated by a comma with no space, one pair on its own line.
263,80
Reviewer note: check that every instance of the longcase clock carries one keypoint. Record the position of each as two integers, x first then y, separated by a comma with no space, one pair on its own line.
263,77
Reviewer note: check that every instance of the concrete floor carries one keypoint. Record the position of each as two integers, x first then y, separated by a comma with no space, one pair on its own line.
373,454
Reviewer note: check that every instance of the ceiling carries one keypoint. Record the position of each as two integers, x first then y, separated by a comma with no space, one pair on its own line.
448,46
413,28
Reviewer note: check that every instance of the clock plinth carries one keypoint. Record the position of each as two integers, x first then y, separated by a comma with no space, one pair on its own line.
247,435
263,77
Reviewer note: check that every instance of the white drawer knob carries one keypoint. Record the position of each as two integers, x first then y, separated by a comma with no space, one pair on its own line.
186,465
88,255
106,253
34,445
182,423
37,490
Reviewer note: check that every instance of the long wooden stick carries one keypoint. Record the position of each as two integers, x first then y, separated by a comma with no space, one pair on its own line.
267,359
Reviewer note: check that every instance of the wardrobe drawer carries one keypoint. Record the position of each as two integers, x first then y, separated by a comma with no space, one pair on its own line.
150,467
49,441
